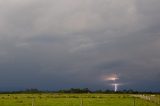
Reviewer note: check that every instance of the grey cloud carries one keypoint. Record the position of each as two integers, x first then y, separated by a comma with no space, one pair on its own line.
54,44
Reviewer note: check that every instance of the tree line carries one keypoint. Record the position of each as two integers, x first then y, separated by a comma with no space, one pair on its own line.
79,90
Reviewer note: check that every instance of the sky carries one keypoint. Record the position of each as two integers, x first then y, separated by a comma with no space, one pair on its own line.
60,44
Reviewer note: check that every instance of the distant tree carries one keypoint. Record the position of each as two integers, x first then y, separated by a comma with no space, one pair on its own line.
32,90
99,91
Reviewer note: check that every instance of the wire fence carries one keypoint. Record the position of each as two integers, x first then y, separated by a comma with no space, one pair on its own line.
80,100
150,98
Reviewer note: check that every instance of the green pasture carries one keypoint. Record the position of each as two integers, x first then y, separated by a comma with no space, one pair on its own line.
75,100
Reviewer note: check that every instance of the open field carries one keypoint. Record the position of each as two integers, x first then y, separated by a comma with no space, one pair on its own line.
78,100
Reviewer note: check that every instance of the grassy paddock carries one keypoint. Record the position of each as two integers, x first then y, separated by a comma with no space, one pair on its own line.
76,100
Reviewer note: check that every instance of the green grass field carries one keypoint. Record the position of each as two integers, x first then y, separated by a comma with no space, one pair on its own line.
75,100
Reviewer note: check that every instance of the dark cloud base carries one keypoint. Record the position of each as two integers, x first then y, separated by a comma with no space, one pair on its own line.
63,44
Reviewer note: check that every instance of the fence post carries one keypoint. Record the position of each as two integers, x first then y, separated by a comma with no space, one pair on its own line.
81,102
158,100
134,101
33,101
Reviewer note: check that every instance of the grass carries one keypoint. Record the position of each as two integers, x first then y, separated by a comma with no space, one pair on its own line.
73,100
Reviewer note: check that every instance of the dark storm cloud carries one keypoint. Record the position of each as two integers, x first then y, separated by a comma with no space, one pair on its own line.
72,43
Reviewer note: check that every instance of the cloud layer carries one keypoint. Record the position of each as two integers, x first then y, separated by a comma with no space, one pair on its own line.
72,43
